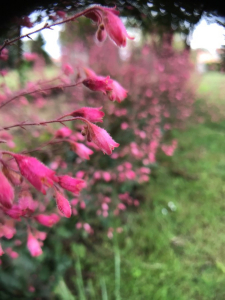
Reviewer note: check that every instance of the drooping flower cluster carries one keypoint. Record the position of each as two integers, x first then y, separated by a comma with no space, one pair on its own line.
109,23
19,172
112,88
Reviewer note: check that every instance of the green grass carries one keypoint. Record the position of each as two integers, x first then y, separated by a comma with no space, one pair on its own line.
172,247
212,86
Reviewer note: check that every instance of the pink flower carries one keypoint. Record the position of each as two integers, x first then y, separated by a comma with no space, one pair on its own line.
115,92
40,235
105,206
82,205
7,138
67,69
130,174
1,250
79,225
74,201
6,192
71,184
26,202
47,220
105,214
100,137
7,230
35,172
11,253
119,229
81,150
61,13
124,126
87,228
121,206
15,212
107,19
80,174
63,205
106,176
115,28
25,22
92,114
4,54
110,233
30,56
31,289
63,132
118,93
98,84
136,203
33,245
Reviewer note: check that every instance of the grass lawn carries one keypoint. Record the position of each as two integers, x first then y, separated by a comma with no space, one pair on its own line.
172,248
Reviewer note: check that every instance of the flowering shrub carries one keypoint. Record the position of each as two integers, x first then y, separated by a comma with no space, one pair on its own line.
154,96
143,97
22,175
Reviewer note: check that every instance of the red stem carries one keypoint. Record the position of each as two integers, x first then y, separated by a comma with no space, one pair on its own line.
38,91
22,125
46,26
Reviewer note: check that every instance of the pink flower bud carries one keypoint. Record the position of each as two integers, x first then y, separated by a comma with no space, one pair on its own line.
119,229
15,212
7,230
82,205
61,13
63,132
11,253
47,220
105,214
118,93
87,228
114,27
31,289
136,203
26,202
40,235
121,206
67,69
35,172
25,22
74,185
1,250
106,176
115,91
92,114
79,225
30,56
63,204
33,245
112,24
98,84
6,192
81,150
100,137
4,54
105,206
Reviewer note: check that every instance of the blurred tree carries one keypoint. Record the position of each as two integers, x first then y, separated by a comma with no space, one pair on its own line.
36,46
175,14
